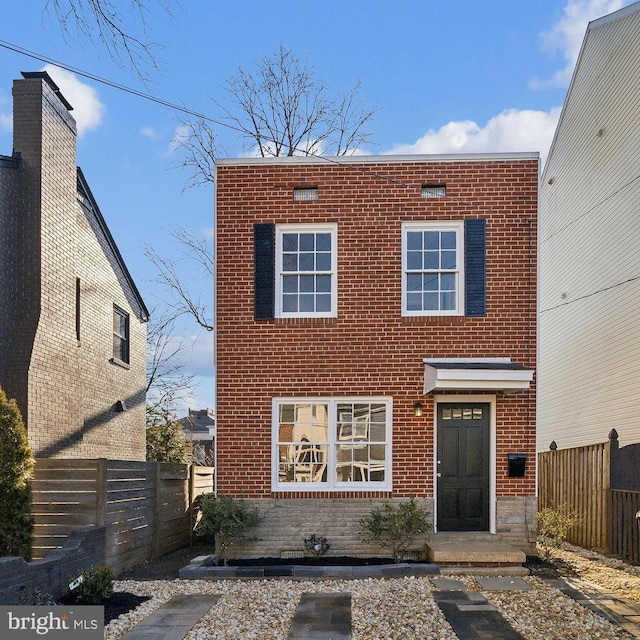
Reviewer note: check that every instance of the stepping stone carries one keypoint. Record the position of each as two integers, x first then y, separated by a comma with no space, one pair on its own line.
473,617
448,584
322,615
504,584
174,619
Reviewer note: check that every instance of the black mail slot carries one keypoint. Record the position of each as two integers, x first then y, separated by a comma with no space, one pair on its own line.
517,464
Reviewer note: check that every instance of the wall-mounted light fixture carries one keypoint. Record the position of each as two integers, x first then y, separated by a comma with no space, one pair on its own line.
119,406
417,409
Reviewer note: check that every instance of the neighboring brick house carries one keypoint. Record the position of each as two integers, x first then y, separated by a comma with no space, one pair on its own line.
376,324
72,323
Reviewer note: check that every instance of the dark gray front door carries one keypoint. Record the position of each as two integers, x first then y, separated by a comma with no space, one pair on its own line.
463,467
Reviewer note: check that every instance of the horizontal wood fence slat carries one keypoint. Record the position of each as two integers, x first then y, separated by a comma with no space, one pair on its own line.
146,507
589,481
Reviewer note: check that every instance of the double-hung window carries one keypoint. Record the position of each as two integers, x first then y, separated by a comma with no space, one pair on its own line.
306,259
433,268
120,335
331,444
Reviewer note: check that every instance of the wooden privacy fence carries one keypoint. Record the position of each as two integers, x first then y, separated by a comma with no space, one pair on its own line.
145,507
601,483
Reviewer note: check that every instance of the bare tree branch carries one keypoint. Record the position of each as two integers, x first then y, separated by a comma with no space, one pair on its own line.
105,22
167,380
185,299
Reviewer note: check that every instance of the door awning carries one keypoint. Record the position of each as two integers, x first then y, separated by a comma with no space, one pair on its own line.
487,374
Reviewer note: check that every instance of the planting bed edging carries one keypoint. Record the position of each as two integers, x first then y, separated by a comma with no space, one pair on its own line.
204,567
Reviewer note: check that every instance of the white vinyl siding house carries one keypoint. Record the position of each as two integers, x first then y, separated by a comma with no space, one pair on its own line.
589,247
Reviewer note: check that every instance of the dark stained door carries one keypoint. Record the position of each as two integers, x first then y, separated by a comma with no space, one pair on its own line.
463,467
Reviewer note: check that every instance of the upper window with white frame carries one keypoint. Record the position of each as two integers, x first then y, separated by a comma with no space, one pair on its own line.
432,268
306,263
120,335
332,444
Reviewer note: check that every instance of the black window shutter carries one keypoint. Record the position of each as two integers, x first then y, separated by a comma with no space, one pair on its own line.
264,239
475,268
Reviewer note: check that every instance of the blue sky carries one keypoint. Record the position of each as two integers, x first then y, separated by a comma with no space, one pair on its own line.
447,77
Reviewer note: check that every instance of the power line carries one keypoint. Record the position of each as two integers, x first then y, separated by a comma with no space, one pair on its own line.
201,116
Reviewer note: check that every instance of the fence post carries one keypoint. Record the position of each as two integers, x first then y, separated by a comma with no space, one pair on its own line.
611,451
101,492
157,525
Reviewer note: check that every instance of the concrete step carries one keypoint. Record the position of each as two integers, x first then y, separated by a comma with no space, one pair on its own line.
463,549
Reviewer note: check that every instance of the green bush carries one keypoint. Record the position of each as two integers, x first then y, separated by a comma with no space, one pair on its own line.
553,527
96,586
226,519
165,439
395,526
16,466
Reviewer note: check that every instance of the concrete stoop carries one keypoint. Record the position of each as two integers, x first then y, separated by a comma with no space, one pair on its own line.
475,553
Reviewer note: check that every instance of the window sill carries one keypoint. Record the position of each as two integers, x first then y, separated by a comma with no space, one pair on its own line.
120,363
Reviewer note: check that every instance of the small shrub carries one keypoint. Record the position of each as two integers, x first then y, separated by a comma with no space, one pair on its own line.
226,519
553,527
395,526
16,465
96,586
317,546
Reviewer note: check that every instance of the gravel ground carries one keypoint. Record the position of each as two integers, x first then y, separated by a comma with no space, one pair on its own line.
395,609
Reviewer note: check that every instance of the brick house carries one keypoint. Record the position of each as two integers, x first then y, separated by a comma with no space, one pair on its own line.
72,322
376,323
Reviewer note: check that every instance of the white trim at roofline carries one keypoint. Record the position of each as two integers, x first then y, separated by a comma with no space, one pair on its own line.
382,159
616,15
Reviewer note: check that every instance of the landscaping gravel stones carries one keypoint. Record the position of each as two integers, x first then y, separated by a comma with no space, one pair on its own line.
393,608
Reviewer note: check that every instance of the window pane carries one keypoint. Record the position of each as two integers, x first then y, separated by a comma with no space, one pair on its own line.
290,303
431,260
431,282
307,283
377,432
323,303
448,259
448,239
323,262
432,240
414,282
414,301
448,282
306,262
323,242
307,242
414,240
290,262
306,302
448,301
323,284
431,301
290,242
414,260
290,284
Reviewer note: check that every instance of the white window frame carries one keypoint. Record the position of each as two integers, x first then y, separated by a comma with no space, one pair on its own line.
452,225
281,229
331,484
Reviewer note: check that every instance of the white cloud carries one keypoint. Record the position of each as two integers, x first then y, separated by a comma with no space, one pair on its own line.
180,136
150,132
511,130
567,34
6,122
87,108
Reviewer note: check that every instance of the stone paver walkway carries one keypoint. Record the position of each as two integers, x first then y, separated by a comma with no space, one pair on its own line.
174,619
322,616
622,612
470,614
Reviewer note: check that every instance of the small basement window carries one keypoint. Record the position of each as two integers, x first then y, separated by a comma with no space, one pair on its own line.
433,191
305,194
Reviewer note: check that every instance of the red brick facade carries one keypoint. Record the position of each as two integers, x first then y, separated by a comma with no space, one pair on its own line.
371,348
